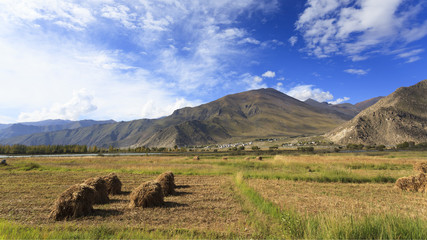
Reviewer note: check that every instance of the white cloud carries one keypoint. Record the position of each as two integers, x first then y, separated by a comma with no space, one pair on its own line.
339,100
304,92
49,51
411,56
64,13
252,82
279,87
269,74
356,28
152,110
273,44
356,71
257,79
120,13
80,105
249,40
292,40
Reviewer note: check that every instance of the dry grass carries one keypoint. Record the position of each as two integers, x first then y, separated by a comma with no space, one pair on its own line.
341,199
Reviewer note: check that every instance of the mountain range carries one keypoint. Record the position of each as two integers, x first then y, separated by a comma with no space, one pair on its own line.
246,115
261,113
26,128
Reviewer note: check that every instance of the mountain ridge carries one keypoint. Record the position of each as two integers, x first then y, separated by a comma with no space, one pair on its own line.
26,128
255,113
399,117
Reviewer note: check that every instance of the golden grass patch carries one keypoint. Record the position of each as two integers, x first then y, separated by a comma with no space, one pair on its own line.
341,199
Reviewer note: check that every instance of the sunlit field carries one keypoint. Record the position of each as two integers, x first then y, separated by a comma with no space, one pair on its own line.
285,196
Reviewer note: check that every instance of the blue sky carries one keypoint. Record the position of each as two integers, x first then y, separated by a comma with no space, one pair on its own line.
125,60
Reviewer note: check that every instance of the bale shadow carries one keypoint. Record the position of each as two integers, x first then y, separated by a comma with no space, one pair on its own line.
117,201
174,204
125,193
106,212
182,186
181,193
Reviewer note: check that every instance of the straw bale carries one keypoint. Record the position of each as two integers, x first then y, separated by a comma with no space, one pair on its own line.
420,167
74,202
101,192
225,158
148,194
259,158
114,185
196,158
417,183
167,182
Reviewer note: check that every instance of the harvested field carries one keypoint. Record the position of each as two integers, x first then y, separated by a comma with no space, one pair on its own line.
237,198
345,199
201,203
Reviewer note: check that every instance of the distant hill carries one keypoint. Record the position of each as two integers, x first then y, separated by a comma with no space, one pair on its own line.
3,126
246,115
399,117
21,129
344,110
367,103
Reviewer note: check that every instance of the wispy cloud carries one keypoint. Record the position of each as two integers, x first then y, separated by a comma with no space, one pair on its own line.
356,71
293,40
411,56
357,28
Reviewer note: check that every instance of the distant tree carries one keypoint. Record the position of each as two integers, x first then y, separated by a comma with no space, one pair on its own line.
305,149
255,148
380,147
275,147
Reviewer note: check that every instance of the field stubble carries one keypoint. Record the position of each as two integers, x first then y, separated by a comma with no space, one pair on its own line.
336,186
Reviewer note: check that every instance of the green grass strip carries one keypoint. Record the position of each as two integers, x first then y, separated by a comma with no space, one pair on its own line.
10,230
324,226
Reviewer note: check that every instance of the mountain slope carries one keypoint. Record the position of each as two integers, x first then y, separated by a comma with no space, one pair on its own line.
399,117
251,114
21,129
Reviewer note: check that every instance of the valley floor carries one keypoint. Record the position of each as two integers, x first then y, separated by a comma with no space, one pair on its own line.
343,196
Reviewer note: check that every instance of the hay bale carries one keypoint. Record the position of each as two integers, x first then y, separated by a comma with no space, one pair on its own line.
259,158
225,158
420,167
74,202
247,158
167,183
101,192
196,158
114,185
148,194
416,183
